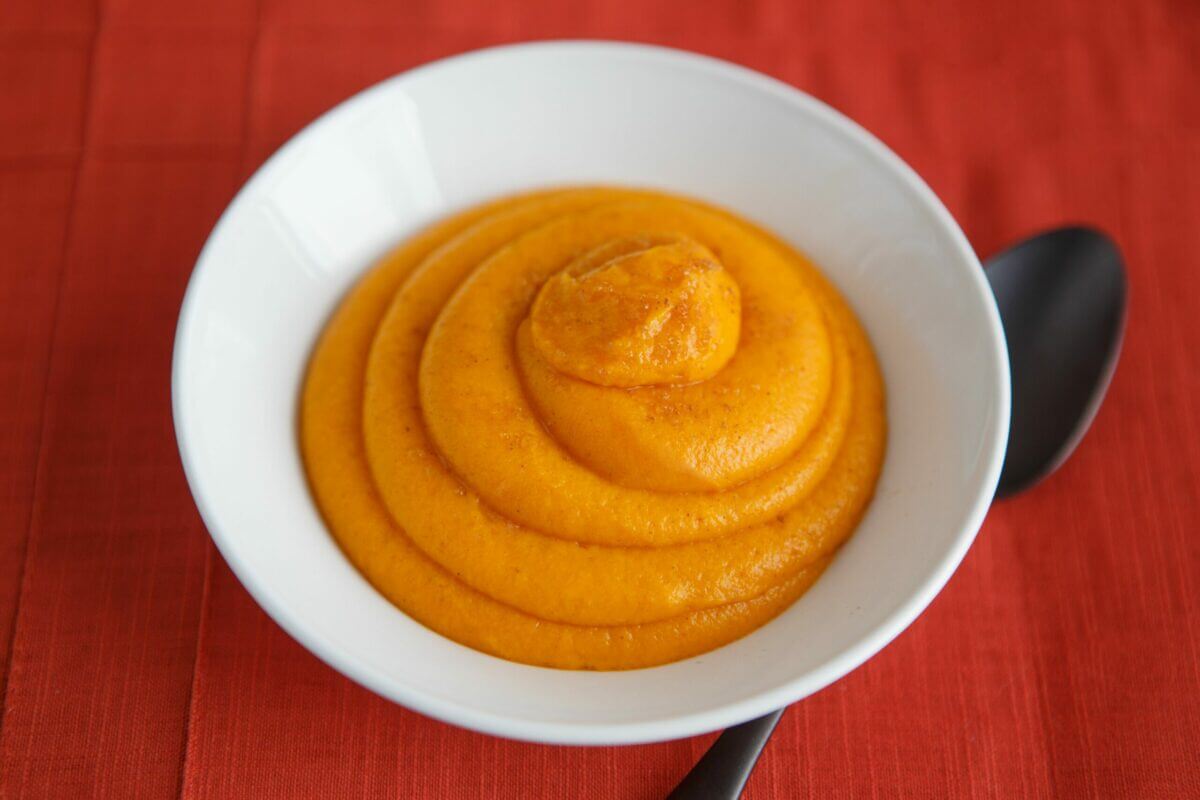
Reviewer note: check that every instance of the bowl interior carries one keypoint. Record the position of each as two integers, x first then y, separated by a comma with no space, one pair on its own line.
414,148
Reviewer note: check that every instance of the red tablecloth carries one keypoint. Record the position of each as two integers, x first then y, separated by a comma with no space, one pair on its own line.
1063,660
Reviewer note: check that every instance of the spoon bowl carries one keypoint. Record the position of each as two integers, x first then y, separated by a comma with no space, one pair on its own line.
1062,301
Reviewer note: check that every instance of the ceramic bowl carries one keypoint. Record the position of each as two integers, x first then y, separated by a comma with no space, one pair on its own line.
421,145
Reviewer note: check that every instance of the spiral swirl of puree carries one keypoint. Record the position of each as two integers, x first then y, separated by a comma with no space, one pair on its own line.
593,428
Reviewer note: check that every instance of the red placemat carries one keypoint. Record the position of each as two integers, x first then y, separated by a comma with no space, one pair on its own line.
1063,660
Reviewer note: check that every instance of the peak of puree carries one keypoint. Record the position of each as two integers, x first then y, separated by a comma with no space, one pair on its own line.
639,312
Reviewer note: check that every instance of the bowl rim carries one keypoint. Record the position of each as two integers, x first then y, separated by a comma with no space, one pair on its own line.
669,727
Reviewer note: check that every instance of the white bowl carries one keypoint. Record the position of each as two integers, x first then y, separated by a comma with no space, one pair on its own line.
420,145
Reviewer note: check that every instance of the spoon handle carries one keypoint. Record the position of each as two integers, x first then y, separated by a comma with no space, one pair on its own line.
721,773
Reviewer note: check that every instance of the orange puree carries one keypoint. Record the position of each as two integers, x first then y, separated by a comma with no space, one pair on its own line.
593,428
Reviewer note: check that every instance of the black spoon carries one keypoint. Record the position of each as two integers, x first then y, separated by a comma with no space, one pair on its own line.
1062,302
